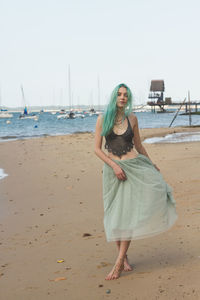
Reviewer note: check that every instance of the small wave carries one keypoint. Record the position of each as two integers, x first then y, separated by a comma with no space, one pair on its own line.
8,137
2,174
22,137
180,137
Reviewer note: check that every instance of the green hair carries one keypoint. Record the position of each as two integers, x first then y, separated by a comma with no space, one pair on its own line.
111,110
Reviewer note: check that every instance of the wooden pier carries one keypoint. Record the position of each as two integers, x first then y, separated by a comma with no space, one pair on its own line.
156,96
194,106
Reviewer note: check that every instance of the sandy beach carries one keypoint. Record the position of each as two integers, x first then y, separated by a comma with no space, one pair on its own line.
53,244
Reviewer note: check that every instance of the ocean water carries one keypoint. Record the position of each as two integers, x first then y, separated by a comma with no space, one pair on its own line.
48,124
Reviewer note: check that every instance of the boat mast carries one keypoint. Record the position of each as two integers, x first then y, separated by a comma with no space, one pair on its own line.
23,97
98,84
69,87
190,119
91,99
0,99
61,97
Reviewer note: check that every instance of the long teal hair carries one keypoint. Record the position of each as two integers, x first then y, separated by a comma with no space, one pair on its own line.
111,110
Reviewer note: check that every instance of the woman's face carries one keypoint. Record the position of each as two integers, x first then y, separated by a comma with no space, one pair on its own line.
122,97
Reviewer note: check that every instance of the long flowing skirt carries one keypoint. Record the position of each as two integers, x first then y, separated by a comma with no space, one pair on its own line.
139,207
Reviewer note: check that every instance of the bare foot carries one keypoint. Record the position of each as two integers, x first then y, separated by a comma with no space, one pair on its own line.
116,270
127,266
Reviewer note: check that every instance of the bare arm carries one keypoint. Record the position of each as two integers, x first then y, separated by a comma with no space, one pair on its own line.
137,141
98,151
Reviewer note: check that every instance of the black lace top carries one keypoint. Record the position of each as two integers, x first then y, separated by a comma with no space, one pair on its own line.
120,144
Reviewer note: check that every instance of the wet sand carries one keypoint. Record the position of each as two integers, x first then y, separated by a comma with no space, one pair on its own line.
51,210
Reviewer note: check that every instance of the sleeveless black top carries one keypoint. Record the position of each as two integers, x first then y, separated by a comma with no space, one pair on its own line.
120,144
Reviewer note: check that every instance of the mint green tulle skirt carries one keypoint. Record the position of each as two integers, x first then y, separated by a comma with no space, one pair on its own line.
139,207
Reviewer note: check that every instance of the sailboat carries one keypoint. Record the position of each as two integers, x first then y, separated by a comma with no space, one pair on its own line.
3,113
92,111
25,114
71,114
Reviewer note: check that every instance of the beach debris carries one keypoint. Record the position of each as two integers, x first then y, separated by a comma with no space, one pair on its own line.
58,279
86,234
196,212
108,291
100,285
69,187
103,264
60,261
80,202
41,214
68,268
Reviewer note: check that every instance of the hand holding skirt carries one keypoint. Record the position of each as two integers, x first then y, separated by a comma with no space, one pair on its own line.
139,207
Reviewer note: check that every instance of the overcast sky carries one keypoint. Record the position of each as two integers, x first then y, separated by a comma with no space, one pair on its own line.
131,41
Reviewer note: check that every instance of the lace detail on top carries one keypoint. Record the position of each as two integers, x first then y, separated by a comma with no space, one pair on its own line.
120,144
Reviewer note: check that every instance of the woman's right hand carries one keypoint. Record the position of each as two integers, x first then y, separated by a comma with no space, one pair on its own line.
119,172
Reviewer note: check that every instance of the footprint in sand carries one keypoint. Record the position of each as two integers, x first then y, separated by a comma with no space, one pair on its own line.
103,265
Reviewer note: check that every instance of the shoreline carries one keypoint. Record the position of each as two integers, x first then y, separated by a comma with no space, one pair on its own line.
145,133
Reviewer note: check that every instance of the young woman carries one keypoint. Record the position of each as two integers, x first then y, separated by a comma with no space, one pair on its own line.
138,203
